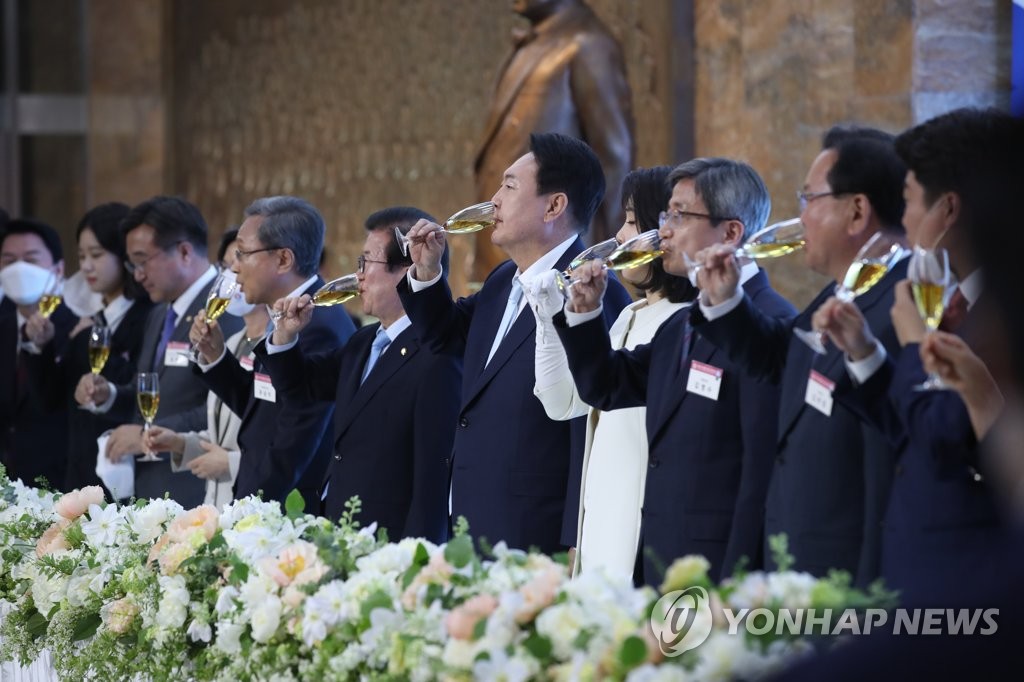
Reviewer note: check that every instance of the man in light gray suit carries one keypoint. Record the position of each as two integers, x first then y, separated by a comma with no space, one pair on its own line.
165,239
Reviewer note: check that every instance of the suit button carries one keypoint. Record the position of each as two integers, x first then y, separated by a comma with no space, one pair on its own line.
654,463
463,422
337,456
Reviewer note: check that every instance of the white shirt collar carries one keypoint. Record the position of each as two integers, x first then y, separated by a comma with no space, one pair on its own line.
115,311
397,327
301,289
546,262
747,271
971,287
184,302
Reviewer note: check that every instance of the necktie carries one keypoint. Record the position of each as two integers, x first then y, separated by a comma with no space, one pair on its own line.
687,343
165,337
381,342
99,319
955,312
511,312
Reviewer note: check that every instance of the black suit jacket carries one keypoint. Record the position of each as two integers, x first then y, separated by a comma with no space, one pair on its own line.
33,436
831,474
516,473
284,445
709,459
392,434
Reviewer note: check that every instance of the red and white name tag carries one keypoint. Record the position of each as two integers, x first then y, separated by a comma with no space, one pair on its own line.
819,393
176,354
704,380
246,363
263,388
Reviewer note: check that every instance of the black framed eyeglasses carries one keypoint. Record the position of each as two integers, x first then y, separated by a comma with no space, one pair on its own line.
362,260
239,254
807,197
675,217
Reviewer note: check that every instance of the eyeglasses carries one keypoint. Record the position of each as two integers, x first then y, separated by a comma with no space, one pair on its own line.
140,267
361,262
675,217
807,197
239,254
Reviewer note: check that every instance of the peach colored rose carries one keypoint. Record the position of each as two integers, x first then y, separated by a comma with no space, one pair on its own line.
120,615
437,571
293,596
53,539
539,593
200,522
462,620
172,557
75,503
297,564
158,548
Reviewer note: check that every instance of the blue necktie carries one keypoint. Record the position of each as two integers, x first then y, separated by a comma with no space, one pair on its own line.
165,337
381,342
511,312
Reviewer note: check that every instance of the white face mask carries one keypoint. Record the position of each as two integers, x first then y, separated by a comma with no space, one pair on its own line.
24,283
238,305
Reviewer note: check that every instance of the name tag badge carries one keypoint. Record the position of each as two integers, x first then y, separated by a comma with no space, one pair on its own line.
263,388
176,354
819,393
704,380
246,363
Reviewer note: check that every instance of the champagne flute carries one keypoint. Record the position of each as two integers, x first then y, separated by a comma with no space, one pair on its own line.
99,348
470,219
148,396
778,239
929,278
632,253
599,251
52,295
217,299
335,292
873,261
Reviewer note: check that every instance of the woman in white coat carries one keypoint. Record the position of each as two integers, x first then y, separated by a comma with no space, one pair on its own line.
615,458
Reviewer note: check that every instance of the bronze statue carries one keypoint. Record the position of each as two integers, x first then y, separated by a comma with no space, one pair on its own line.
565,74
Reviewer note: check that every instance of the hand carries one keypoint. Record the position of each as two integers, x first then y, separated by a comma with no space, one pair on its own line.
295,314
160,439
207,337
426,246
846,326
92,389
906,319
125,441
212,465
39,330
950,357
719,275
544,296
591,280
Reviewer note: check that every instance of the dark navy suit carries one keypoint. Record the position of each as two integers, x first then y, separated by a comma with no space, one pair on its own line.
709,459
392,434
284,446
831,474
515,472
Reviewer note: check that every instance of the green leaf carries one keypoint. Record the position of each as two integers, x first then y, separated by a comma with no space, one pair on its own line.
377,600
633,652
86,627
459,551
479,629
239,571
539,646
294,504
36,624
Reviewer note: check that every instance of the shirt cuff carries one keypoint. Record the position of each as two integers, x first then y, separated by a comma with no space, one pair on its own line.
713,312
418,285
31,348
274,348
575,319
862,370
105,407
207,368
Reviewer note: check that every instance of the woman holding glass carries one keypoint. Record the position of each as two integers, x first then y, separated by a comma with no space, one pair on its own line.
107,343
615,456
214,454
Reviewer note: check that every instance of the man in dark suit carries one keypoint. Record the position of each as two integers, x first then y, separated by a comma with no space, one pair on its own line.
710,427
515,472
33,437
396,403
566,75
284,445
165,239
831,473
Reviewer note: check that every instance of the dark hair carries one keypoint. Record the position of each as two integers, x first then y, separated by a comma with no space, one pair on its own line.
291,223
729,189
403,217
646,192
173,219
104,221
867,163
28,226
230,235
569,165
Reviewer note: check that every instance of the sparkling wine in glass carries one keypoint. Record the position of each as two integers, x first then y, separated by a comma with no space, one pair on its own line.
470,219
776,240
873,261
217,300
335,292
148,396
599,251
99,348
52,295
930,282
632,253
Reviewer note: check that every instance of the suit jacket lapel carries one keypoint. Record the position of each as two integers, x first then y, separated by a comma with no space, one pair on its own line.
398,353
673,384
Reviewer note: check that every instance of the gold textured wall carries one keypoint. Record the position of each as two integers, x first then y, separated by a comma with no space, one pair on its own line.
361,104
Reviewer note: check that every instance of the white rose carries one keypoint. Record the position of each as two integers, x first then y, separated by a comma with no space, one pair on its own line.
228,635
265,620
199,631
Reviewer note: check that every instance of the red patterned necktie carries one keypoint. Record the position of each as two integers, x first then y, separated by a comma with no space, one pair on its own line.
955,312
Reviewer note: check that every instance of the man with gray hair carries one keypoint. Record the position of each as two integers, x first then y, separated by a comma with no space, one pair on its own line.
710,427
284,445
